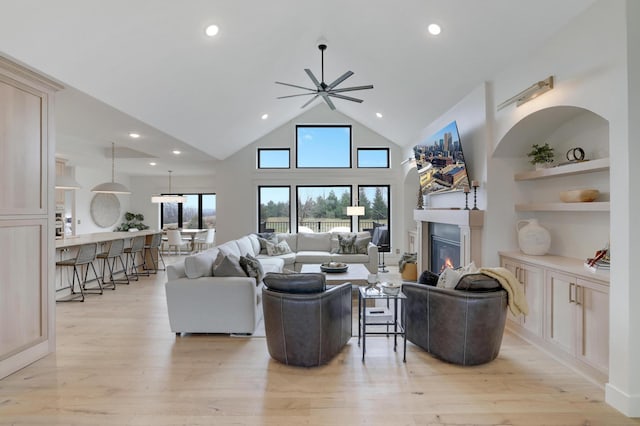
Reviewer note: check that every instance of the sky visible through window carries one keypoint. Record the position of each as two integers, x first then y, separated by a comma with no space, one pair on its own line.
324,146
274,158
373,158
278,195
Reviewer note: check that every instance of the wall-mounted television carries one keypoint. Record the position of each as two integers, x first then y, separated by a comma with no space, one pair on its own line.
440,162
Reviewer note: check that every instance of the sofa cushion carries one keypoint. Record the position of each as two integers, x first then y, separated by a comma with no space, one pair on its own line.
320,241
277,249
244,245
264,238
359,237
230,247
228,265
362,244
291,239
313,256
288,259
271,264
252,267
478,283
347,244
349,258
255,244
448,278
296,283
201,264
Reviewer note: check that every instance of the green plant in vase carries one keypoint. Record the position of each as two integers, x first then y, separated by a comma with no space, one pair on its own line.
132,220
541,156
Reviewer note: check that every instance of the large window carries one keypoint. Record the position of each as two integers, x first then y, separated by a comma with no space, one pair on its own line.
273,158
323,208
373,157
323,146
274,208
199,212
375,200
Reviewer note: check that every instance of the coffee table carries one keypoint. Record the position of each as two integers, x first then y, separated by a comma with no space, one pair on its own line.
357,274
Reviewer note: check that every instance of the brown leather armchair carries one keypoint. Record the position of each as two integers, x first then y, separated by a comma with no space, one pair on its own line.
306,324
463,325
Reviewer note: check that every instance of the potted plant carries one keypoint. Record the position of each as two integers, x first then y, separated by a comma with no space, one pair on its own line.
541,155
132,221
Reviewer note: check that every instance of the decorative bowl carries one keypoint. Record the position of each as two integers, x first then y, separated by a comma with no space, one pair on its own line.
579,195
390,288
333,267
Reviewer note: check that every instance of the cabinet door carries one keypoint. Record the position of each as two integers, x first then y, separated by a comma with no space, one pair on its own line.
561,296
592,300
532,279
512,266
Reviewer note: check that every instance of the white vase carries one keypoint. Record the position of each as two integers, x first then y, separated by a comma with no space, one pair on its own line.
533,239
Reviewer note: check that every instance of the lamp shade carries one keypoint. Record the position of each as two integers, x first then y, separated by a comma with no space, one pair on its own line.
355,210
111,188
66,182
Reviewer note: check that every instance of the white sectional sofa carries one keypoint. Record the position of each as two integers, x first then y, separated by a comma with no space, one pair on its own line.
199,302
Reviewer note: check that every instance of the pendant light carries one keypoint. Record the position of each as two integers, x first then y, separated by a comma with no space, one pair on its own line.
111,187
168,198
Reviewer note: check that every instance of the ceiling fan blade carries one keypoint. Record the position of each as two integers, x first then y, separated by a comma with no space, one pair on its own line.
293,96
348,89
309,101
348,98
340,79
293,85
313,78
325,96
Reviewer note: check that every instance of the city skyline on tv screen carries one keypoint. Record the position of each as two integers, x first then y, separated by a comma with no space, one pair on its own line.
440,162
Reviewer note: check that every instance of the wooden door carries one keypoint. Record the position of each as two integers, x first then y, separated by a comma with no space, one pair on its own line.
560,325
593,324
532,279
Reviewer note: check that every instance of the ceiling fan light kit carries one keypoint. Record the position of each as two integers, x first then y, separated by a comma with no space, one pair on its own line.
324,90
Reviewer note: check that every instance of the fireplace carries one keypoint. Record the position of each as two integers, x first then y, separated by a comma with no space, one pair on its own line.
444,247
458,236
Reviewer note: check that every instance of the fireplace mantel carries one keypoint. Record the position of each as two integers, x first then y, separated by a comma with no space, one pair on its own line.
470,223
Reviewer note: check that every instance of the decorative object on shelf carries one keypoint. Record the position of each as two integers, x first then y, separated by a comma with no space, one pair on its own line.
475,184
533,239
600,261
132,221
575,155
420,205
112,187
541,155
466,196
533,91
168,198
579,195
334,267
105,209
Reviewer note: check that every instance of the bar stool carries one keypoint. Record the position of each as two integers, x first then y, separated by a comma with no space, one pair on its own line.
136,248
116,248
154,245
85,257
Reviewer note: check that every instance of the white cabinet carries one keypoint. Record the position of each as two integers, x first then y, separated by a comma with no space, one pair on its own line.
568,310
532,279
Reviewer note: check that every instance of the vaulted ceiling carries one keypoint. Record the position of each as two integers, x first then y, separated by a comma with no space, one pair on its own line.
147,66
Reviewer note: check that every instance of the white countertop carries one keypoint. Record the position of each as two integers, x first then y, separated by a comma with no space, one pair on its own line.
99,237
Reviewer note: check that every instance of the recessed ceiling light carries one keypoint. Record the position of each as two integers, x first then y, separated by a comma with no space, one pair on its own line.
152,164
379,115
434,29
265,116
134,135
211,30
176,152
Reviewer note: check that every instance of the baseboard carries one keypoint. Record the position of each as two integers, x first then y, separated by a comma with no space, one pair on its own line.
629,405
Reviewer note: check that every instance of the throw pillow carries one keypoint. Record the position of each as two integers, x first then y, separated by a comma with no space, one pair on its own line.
448,278
277,249
228,266
362,245
347,244
264,238
252,267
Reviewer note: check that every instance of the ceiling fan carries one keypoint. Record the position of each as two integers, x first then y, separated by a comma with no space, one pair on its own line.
326,91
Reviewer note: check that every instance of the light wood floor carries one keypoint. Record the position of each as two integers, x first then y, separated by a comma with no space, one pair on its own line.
117,363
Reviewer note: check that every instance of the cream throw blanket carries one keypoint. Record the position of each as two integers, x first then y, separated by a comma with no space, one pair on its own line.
516,299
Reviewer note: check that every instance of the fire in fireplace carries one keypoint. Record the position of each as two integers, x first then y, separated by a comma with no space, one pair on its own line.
444,247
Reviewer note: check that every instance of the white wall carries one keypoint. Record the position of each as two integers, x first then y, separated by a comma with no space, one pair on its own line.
238,177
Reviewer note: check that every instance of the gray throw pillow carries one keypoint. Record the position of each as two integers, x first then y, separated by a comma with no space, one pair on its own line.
362,245
277,249
264,238
228,266
347,244
252,267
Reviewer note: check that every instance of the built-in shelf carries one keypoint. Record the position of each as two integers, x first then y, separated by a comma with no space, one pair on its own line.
565,170
601,206
560,263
